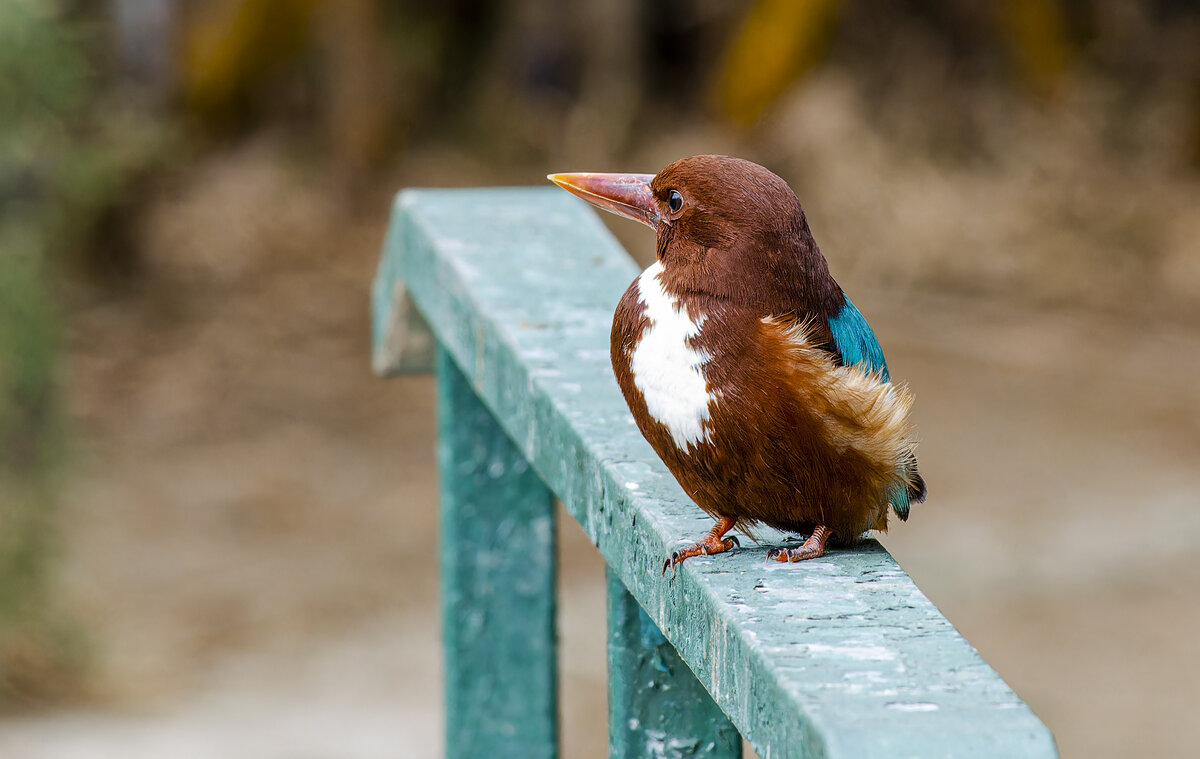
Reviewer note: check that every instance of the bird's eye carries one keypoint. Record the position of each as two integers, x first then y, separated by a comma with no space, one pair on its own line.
674,201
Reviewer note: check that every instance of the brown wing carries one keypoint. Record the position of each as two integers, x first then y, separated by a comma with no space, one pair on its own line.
802,440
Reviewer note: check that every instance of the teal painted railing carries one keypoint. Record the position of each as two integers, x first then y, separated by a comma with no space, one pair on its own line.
838,657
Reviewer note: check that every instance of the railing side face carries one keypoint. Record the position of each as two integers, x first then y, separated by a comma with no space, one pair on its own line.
498,585
838,657
656,706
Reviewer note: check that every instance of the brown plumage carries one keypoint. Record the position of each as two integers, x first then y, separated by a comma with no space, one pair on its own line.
727,354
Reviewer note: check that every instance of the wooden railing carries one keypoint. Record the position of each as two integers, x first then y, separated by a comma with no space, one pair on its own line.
837,657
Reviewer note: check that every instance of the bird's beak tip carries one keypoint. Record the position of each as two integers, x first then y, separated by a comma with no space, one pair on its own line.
563,180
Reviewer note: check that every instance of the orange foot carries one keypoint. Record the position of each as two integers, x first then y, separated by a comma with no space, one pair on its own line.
711,544
811,549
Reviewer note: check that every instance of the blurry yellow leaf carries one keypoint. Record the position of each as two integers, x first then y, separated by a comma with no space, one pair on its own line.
1036,34
230,45
777,42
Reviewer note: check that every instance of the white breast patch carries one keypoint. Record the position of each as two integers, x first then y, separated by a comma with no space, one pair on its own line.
668,372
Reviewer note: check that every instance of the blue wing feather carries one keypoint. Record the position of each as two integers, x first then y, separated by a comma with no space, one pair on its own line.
855,341
856,344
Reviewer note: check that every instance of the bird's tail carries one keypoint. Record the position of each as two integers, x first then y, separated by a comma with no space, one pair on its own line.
911,488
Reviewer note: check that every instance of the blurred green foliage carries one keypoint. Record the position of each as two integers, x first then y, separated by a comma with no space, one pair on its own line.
60,171
42,82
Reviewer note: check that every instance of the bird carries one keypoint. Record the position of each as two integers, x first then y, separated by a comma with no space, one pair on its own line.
753,376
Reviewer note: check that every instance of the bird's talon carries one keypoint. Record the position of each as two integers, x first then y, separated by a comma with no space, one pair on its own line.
712,544
732,539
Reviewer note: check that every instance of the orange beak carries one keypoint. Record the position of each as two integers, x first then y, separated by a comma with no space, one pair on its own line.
626,195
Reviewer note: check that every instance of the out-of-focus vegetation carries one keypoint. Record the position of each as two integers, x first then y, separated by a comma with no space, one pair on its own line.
67,155
1068,132
42,75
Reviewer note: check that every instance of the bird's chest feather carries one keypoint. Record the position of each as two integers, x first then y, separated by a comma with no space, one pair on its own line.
664,364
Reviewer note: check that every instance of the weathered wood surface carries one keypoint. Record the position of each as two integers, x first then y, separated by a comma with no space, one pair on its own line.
656,706
498,585
402,342
837,657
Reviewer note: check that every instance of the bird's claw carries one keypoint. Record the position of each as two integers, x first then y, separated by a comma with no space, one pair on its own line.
813,547
698,549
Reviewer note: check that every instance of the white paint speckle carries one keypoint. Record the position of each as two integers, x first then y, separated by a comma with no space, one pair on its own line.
539,353
592,354
918,706
875,677
632,485
859,653
668,372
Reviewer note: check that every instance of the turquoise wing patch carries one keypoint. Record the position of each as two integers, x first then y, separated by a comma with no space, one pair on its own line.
855,340
857,344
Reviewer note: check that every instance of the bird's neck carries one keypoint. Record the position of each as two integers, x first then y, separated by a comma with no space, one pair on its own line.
813,285
774,278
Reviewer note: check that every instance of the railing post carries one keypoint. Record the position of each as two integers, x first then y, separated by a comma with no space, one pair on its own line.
656,706
498,587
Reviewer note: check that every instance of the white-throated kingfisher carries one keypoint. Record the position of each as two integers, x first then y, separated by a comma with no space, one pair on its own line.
749,371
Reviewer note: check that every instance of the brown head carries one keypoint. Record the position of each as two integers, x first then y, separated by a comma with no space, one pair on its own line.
725,227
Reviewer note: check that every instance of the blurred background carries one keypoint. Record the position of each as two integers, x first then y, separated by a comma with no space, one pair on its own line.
218,529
